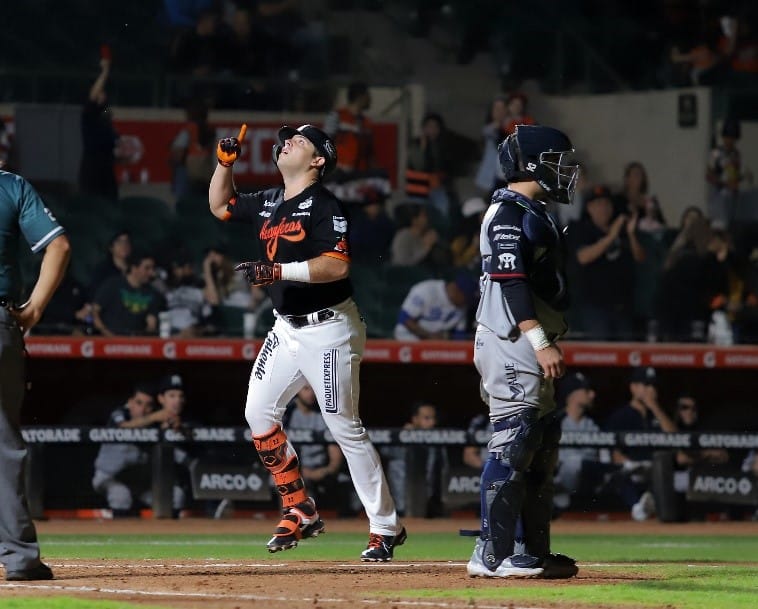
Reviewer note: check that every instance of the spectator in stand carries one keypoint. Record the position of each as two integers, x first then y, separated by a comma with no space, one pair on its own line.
205,49
68,311
433,459
351,130
465,244
252,47
517,114
371,232
578,471
432,166
225,287
115,264
605,250
321,464
489,176
100,141
357,178
746,316
692,278
300,38
415,242
634,198
725,174
122,471
185,299
437,309
193,152
128,304
703,63
740,49
641,413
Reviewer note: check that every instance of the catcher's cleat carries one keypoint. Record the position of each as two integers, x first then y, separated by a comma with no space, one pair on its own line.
298,522
558,566
381,547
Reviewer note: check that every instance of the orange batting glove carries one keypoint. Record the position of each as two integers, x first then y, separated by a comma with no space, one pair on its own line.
229,148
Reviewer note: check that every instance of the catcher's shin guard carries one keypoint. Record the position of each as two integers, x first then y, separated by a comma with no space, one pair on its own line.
280,459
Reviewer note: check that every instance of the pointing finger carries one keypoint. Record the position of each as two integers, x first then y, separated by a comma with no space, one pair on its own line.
243,131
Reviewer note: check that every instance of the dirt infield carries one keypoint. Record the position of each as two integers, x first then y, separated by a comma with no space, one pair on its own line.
298,584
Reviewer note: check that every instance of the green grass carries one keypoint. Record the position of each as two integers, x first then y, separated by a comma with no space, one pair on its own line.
430,546
694,587
671,571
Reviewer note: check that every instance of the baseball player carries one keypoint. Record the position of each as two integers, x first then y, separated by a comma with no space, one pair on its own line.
22,212
318,336
520,316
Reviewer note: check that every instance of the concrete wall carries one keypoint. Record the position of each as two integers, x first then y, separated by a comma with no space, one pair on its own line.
609,131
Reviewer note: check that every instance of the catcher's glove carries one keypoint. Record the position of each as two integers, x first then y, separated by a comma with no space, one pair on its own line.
229,149
261,272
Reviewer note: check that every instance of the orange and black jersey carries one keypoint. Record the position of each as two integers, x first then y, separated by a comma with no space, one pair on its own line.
313,223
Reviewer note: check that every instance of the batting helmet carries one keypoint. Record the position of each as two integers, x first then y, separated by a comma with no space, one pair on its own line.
320,140
540,154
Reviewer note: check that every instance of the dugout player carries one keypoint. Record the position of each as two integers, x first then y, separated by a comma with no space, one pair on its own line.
520,316
22,212
318,336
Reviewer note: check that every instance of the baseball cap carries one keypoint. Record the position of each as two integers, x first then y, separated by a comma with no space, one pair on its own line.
598,192
570,383
473,206
320,140
172,381
646,375
468,284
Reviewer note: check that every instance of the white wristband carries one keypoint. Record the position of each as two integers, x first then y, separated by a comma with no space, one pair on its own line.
538,338
296,271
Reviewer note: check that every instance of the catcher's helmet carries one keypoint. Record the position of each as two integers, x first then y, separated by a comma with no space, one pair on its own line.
320,140
540,154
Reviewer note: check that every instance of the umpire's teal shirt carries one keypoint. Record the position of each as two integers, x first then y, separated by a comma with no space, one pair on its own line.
21,212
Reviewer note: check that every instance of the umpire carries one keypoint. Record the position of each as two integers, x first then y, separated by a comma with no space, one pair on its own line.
22,212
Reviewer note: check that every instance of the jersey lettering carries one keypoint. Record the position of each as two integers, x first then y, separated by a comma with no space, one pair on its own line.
289,231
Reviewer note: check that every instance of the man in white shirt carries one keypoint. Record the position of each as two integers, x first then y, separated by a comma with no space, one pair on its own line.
437,309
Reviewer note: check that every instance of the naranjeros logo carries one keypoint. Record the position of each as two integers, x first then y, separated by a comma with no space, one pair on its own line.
288,230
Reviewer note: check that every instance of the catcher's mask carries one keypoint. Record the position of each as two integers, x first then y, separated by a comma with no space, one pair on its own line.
320,140
543,155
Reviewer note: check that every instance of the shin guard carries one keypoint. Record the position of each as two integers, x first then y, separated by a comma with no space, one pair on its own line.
278,456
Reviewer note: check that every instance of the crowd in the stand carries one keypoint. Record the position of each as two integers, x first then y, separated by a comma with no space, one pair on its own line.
633,273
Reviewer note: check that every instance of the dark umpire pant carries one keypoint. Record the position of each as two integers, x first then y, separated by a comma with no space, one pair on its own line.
18,539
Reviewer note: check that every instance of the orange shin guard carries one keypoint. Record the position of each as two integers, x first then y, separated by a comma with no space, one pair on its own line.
280,459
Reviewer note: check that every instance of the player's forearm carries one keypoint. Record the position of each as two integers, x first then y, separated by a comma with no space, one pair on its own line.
326,269
221,190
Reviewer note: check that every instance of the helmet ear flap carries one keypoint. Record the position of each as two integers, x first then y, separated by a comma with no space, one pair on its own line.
509,154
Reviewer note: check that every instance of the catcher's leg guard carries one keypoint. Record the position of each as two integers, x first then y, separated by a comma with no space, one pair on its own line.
280,459
503,488
538,501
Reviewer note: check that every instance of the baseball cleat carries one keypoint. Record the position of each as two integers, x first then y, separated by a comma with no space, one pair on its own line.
518,565
558,566
298,522
381,547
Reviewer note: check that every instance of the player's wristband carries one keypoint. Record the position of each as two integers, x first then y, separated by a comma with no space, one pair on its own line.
538,338
296,271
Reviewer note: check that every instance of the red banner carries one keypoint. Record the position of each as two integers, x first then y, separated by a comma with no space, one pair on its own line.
577,354
254,167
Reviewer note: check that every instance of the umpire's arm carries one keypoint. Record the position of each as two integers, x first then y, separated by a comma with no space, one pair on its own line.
54,263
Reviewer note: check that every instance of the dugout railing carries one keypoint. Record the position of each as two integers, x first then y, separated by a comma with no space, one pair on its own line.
719,485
